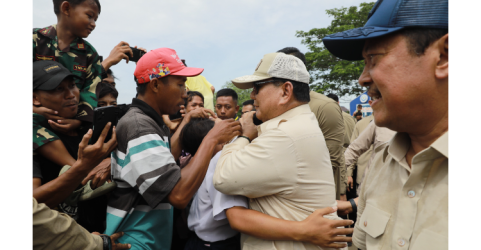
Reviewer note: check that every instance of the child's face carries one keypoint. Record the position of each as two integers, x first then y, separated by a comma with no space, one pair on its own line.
107,100
82,18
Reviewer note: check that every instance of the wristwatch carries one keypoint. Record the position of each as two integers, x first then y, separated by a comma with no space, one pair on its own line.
107,242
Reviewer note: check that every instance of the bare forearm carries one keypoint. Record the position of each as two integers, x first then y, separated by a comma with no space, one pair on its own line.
58,189
56,152
262,226
176,147
193,174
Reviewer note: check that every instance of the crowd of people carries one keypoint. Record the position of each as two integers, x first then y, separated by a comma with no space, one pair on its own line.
186,167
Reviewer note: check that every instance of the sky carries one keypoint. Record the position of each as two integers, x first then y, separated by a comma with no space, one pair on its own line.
226,38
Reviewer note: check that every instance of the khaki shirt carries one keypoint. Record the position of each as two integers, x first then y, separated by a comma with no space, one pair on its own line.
349,125
364,158
329,117
54,230
402,207
372,136
286,172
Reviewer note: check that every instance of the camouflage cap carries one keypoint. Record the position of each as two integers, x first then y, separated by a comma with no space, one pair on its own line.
47,75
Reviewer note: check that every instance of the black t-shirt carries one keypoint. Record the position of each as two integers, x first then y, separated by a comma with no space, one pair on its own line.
50,170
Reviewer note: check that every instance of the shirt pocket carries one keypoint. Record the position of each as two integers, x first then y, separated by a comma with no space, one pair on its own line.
373,222
430,240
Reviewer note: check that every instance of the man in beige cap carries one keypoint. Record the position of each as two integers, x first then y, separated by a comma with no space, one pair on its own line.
282,165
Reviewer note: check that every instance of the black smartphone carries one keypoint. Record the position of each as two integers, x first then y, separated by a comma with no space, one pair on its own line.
137,54
257,122
104,115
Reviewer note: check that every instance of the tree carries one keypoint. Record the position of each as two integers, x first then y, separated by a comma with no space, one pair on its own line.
329,73
242,94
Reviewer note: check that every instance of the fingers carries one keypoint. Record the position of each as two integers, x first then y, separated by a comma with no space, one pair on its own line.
115,236
104,133
342,223
342,231
120,246
95,233
85,140
210,112
122,43
336,245
112,143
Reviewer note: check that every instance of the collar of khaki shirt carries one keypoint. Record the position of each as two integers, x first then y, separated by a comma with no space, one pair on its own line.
398,146
284,117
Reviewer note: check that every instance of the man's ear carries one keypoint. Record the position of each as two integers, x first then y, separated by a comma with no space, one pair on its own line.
154,85
36,100
442,64
237,108
287,92
65,8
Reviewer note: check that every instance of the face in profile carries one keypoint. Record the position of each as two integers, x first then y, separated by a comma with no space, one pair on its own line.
195,103
64,98
83,17
171,95
226,107
107,100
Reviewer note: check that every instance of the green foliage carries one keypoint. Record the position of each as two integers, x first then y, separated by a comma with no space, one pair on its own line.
330,74
242,95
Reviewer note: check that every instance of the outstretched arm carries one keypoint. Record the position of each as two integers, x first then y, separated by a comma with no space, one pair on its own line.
314,229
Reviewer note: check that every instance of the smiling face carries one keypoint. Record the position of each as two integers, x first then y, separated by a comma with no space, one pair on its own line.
81,18
405,92
64,98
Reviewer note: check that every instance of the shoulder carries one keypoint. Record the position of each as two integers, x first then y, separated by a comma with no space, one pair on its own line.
89,47
135,123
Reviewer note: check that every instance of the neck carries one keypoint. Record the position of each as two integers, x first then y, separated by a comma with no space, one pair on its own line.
145,98
421,141
64,35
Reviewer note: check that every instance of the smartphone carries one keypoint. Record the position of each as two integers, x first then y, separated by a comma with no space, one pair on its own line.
257,122
137,54
104,115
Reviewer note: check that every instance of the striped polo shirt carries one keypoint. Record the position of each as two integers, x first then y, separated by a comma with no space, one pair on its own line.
145,172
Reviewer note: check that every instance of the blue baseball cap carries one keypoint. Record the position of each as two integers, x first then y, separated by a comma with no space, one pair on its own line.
386,17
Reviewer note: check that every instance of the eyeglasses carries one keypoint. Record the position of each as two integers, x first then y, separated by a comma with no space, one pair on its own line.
257,85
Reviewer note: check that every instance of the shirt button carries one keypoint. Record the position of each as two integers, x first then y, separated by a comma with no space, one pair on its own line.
401,242
365,223
411,194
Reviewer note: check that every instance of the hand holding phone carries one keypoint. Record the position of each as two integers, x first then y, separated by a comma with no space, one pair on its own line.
137,54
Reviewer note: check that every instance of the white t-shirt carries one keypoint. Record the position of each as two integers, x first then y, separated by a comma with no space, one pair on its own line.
207,214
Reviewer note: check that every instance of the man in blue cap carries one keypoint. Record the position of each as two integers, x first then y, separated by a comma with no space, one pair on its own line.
403,203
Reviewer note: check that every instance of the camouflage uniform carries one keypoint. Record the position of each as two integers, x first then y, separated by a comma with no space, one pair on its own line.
82,60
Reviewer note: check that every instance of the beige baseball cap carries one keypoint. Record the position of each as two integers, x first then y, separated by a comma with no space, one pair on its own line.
277,65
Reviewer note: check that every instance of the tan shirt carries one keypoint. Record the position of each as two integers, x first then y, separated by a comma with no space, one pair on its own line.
402,207
371,136
54,230
286,172
329,117
349,125
364,158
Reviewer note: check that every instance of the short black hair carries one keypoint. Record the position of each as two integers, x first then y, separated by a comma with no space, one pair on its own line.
110,72
295,52
191,94
419,39
104,89
300,90
57,3
194,132
333,97
248,102
359,106
227,92
141,88
358,113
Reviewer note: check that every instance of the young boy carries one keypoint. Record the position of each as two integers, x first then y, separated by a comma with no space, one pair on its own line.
107,95
63,42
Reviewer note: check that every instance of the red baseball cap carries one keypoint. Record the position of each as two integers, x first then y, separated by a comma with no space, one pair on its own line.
162,62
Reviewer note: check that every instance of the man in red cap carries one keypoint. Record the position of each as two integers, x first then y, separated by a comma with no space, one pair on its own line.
149,182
